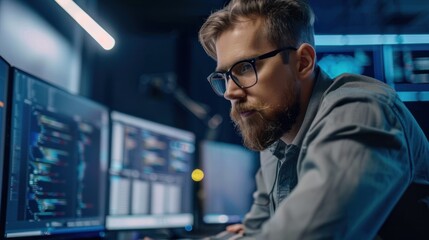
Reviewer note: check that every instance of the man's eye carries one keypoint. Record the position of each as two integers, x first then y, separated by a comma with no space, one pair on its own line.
243,69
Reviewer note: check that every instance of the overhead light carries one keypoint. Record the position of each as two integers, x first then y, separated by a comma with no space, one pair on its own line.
86,22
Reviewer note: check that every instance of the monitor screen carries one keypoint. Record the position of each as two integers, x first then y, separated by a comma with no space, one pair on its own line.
4,70
407,63
58,161
150,175
229,181
365,60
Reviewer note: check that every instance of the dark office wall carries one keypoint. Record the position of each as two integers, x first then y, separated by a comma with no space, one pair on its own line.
118,76
33,42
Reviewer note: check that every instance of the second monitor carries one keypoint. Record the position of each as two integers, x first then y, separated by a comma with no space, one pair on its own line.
150,175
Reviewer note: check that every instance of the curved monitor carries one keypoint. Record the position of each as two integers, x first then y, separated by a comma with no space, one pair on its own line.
150,175
58,161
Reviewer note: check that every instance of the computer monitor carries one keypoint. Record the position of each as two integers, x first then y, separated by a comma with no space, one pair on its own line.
150,175
58,162
228,183
407,64
365,60
4,79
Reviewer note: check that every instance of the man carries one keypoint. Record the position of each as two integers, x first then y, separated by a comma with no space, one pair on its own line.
340,158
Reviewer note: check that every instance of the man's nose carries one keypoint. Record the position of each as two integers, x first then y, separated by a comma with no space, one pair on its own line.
233,91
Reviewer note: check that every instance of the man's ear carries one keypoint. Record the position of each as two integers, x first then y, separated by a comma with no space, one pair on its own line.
306,60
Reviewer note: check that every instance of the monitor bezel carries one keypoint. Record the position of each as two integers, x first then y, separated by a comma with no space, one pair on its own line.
4,165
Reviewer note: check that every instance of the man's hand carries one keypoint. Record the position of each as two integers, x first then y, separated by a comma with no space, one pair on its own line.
236,228
232,232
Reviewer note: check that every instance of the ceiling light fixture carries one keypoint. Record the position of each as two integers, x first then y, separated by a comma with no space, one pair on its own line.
86,22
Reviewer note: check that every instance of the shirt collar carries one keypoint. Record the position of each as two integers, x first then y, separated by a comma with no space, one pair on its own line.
322,82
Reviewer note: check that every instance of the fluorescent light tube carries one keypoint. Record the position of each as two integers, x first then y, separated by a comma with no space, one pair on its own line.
86,22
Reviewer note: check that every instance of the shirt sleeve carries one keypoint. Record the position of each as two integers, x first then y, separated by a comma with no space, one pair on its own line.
353,168
260,211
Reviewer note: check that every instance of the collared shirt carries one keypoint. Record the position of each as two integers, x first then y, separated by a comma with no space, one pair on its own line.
286,174
362,169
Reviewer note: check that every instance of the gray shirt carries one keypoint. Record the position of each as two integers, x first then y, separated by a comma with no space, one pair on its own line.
358,167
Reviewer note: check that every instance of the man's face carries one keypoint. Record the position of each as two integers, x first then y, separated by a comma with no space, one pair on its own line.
265,112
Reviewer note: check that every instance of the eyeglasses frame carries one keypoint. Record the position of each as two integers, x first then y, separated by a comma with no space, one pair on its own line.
228,75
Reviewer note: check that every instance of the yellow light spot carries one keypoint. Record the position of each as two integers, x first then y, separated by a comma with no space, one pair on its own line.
197,175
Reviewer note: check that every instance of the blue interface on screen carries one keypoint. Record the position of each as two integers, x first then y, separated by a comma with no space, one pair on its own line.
336,60
409,64
58,161
150,175
229,181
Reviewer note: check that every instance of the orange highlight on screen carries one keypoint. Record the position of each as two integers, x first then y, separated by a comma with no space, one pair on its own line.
1,104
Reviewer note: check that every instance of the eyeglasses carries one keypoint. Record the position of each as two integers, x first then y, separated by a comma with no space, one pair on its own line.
243,73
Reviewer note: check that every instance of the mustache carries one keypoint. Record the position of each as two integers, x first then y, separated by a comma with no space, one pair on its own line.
242,107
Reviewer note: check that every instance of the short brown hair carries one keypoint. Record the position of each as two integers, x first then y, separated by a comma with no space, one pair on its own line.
289,22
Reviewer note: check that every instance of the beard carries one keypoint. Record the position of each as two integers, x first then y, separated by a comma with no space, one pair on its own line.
266,125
